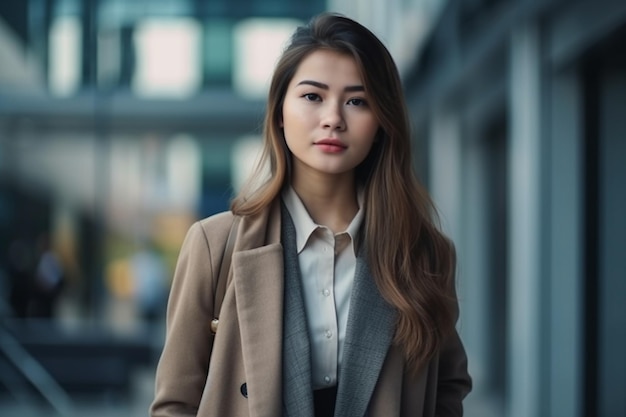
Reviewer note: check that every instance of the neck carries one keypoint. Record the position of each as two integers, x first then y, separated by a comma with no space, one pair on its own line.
331,202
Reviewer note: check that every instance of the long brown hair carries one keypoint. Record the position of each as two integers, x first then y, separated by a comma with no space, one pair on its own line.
412,262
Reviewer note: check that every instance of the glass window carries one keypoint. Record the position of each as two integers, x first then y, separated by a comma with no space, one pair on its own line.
257,45
65,55
168,62
218,43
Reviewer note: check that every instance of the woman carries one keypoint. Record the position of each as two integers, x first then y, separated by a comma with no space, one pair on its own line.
341,296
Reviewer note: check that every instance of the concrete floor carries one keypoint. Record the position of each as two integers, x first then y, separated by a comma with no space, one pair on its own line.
136,405
121,317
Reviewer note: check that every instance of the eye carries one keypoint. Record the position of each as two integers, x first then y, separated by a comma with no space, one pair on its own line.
311,97
357,102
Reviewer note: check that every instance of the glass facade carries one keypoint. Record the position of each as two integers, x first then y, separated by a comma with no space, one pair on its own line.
99,36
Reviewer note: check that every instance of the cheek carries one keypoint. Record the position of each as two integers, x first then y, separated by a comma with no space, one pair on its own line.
286,119
296,122
288,112
371,129
291,128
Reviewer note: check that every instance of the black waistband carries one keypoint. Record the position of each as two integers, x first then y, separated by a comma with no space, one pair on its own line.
324,401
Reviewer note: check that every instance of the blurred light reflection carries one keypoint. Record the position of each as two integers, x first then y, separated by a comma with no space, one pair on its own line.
65,55
258,44
168,58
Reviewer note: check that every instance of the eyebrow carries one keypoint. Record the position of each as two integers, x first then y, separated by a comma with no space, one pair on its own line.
350,88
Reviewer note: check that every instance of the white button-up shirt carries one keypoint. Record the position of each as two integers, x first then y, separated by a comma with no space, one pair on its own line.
327,264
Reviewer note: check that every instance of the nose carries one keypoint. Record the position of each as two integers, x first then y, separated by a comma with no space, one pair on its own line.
333,118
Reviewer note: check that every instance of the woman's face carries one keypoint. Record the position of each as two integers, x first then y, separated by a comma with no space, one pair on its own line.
328,124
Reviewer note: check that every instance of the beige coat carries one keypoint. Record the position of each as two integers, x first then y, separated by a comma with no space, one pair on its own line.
245,373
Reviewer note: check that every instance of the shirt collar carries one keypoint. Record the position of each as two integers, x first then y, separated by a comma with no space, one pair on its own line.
304,224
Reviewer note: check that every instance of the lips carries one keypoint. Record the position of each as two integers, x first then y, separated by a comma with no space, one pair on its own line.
331,145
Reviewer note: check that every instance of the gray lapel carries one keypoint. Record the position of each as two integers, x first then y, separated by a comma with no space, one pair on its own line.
371,325
297,388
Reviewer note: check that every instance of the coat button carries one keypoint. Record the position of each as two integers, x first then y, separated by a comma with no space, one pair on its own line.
214,324
244,390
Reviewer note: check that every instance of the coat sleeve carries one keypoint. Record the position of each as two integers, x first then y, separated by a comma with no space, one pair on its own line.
453,379
182,370
454,382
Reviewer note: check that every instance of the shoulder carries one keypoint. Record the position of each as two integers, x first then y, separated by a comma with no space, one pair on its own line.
210,230
216,222
253,230
204,242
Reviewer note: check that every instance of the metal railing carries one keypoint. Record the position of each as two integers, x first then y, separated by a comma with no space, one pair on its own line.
34,373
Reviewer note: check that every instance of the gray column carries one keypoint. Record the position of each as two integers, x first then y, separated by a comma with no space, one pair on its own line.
566,247
612,246
474,259
445,169
523,398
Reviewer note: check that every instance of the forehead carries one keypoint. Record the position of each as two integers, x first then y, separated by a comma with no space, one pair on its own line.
329,67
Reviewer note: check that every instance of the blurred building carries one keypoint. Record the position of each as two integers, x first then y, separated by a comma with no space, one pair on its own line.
520,112
122,116
118,119
123,121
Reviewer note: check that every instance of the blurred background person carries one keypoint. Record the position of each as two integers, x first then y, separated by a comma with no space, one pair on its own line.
48,282
150,283
20,272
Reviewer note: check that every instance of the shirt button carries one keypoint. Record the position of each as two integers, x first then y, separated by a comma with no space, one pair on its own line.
329,334
326,293
327,379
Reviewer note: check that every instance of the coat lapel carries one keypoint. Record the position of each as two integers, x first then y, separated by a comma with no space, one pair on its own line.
371,325
265,299
297,389
258,278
